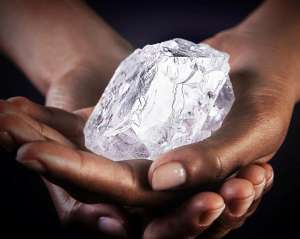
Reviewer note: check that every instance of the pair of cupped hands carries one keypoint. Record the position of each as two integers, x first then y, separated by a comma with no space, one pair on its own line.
206,188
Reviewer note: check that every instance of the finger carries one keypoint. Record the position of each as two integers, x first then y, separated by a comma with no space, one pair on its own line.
99,218
251,123
96,218
238,195
102,218
18,128
257,176
220,230
189,220
69,124
269,176
89,177
7,142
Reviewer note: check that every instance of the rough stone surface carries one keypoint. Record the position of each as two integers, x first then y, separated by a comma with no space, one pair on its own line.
160,97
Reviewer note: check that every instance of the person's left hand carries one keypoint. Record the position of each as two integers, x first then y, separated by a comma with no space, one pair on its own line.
205,210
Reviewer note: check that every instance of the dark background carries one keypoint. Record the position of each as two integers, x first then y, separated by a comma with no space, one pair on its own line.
25,207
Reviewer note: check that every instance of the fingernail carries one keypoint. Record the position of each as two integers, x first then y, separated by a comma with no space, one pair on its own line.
270,180
239,207
208,217
7,142
34,165
112,227
168,176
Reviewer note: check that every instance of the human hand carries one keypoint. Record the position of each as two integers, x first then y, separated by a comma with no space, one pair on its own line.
266,88
198,216
238,193
70,66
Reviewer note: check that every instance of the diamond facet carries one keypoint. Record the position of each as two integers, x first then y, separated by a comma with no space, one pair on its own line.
161,97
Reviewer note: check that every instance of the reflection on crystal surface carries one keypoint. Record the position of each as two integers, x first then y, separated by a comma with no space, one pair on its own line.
161,97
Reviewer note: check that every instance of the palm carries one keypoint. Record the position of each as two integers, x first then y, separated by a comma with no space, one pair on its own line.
125,183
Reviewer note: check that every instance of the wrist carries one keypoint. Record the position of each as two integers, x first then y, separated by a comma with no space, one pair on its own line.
81,84
40,37
276,26
93,68
274,62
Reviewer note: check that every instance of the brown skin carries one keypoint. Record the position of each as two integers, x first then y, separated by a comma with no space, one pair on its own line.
50,144
266,88
264,73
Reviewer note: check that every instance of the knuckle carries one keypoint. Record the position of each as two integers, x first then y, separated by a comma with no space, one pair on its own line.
132,185
217,166
41,128
83,169
202,163
195,160
215,160
194,164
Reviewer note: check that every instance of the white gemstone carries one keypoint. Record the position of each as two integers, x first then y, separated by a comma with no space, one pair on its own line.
161,97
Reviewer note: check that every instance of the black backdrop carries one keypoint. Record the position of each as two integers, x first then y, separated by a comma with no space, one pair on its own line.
25,207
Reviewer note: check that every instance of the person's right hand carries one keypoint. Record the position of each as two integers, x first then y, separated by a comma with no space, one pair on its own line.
62,164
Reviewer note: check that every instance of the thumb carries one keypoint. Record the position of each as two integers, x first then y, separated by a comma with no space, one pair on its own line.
253,131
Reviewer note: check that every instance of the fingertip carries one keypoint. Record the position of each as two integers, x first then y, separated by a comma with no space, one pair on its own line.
269,173
257,176
175,155
112,227
254,173
47,153
186,166
25,152
238,195
208,206
168,176
189,220
237,188
26,155
156,162
206,201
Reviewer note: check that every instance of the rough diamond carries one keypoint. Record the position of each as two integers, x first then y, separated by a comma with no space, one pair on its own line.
161,97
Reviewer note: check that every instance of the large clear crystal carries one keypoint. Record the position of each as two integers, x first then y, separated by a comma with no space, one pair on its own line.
161,97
